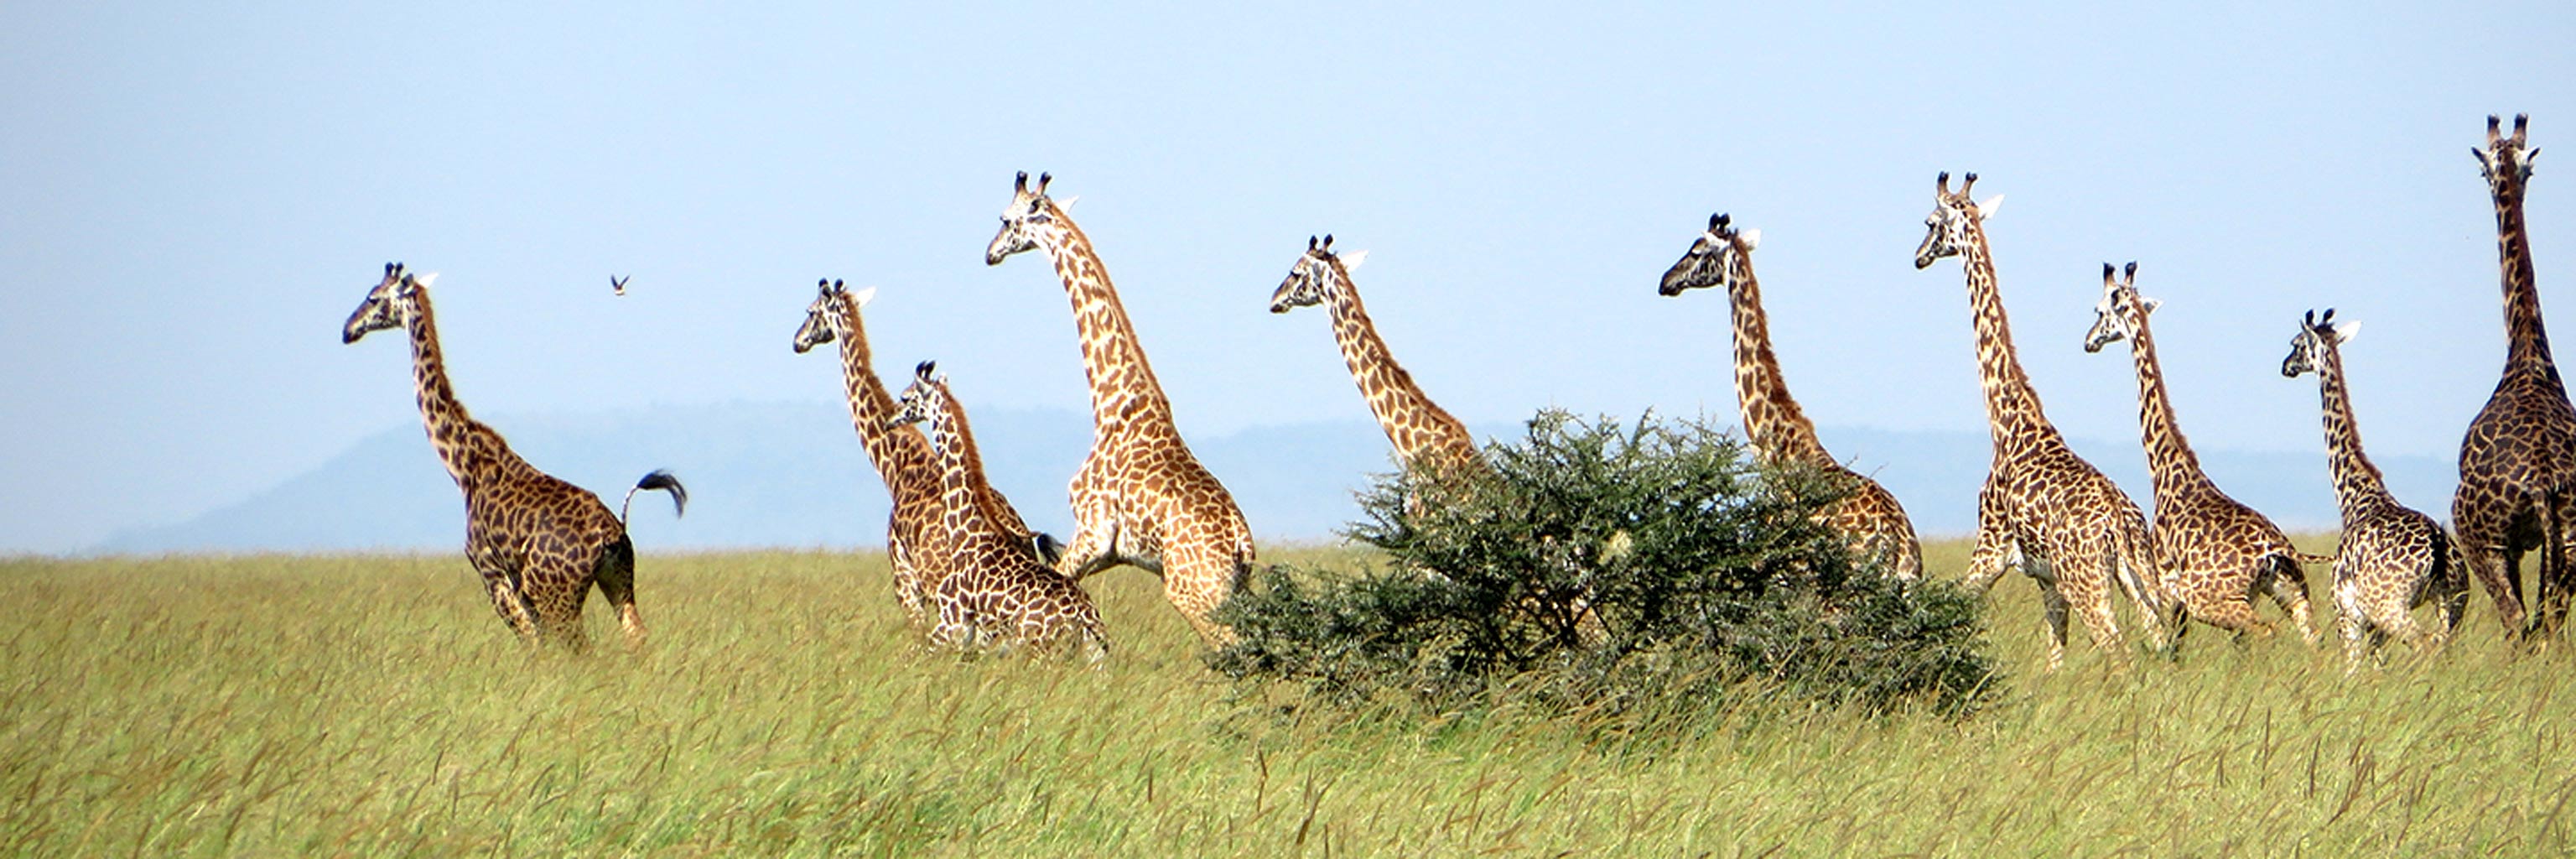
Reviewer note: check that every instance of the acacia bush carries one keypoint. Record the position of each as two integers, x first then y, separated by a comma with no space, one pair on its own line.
1602,569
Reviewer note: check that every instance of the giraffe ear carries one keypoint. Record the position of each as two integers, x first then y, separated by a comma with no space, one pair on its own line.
863,296
1066,204
1751,238
1987,209
1351,259
424,278
2346,330
2149,305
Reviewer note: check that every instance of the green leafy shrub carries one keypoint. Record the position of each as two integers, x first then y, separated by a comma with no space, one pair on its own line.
1601,569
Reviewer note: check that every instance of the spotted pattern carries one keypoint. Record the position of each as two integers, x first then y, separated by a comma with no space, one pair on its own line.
996,594
540,543
915,540
2392,558
2518,459
1426,437
2043,509
1868,516
2213,553
1140,497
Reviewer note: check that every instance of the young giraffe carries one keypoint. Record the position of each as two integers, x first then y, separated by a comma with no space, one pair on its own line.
539,542
2518,460
2043,508
2392,559
2213,553
1869,517
995,593
1141,497
1426,438
901,456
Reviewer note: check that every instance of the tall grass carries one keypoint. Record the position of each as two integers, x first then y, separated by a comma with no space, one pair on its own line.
375,706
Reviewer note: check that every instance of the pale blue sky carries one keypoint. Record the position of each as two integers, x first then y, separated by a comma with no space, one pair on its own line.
198,194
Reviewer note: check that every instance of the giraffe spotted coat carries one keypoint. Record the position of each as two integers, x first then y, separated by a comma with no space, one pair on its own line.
540,543
996,595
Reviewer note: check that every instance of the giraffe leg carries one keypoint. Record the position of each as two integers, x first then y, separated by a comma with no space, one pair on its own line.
2554,579
2088,591
1095,527
513,608
2287,585
2450,582
1994,550
2486,564
907,580
1197,578
617,583
2053,611
2400,624
2350,620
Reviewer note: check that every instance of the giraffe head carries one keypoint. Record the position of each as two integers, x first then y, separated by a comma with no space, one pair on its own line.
1954,218
389,305
1721,256
1319,273
2317,340
1030,215
926,399
824,319
2121,312
2504,161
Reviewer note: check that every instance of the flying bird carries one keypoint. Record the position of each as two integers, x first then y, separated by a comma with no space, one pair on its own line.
618,283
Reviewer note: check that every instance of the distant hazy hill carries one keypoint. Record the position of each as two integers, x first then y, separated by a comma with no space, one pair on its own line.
793,475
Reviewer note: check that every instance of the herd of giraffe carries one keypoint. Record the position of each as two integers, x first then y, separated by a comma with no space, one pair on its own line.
971,575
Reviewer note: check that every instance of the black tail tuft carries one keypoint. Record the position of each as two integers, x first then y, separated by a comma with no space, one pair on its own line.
1050,550
662,480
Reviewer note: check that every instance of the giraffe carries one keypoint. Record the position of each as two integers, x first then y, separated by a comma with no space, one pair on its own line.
996,593
1426,437
2392,558
2043,508
2518,460
1141,497
1869,516
901,456
539,542
2212,552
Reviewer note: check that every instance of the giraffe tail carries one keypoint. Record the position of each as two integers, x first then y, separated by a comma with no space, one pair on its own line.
2300,557
1048,549
662,480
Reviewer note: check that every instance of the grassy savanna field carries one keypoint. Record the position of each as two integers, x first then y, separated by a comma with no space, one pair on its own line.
375,706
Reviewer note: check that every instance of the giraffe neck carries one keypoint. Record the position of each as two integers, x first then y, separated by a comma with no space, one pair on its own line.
470,451
2526,339
898,452
1420,429
2013,412
1123,388
1772,419
961,470
2176,469
2357,481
